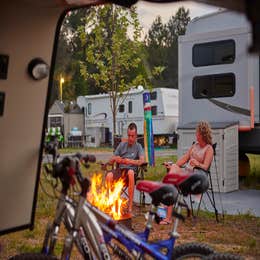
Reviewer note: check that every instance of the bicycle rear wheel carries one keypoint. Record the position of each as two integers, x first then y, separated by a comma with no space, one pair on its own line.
192,251
32,256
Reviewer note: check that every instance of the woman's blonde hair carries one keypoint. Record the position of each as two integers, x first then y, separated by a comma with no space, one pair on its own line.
204,129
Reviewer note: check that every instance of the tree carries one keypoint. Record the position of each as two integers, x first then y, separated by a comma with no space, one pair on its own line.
157,35
156,47
162,46
69,54
176,26
111,56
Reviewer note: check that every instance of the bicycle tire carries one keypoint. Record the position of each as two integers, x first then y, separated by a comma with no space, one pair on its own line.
32,256
191,250
223,256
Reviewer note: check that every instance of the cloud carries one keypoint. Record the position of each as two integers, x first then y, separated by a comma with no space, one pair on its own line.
147,12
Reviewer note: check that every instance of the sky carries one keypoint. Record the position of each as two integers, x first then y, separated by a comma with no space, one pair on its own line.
149,11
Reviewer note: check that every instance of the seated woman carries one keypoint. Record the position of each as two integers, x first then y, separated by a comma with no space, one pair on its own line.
197,158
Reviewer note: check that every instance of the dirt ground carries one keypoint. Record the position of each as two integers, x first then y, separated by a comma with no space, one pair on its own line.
233,234
238,234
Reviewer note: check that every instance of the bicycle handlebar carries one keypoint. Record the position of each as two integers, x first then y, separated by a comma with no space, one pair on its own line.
52,149
86,158
68,167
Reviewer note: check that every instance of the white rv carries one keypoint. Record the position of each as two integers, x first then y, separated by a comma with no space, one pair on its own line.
98,115
218,79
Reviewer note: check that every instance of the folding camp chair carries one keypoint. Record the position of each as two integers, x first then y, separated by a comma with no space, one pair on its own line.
184,184
139,173
210,192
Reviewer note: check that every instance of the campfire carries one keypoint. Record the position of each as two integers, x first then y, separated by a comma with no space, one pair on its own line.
107,199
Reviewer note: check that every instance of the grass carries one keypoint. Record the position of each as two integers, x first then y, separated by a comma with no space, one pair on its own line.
252,180
238,234
255,164
89,150
158,172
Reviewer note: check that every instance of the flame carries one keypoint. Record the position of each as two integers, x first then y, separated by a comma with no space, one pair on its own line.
107,197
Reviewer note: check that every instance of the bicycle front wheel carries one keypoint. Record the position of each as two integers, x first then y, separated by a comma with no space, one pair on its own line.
33,256
192,251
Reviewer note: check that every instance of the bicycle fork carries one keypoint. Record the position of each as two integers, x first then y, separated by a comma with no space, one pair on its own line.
72,235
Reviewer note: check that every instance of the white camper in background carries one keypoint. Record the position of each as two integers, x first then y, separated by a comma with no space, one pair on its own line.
218,79
99,121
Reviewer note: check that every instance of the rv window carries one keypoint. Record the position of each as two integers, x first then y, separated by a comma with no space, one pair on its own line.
121,108
154,95
154,110
213,86
130,107
213,53
89,108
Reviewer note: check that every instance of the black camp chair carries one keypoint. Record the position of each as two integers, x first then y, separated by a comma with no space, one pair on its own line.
188,188
139,173
210,192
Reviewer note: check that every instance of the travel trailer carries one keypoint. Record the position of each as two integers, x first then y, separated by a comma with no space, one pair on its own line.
99,121
218,79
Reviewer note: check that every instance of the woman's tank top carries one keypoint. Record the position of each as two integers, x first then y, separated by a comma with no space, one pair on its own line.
198,153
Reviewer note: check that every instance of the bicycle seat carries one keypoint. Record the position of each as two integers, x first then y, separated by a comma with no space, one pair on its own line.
175,178
159,192
191,183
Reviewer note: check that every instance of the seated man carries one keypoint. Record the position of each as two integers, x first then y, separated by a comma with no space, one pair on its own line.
128,155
